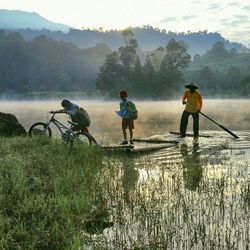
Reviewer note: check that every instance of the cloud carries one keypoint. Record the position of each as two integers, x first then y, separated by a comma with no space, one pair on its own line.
244,34
197,2
234,4
213,6
241,17
247,7
189,17
238,20
234,23
168,19
225,20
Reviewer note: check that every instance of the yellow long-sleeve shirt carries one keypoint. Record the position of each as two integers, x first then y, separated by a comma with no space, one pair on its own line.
194,101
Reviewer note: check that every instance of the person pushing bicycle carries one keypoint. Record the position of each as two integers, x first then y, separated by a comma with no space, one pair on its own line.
79,116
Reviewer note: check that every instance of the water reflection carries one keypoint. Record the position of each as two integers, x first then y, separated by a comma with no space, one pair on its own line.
129,179
192,170
98,219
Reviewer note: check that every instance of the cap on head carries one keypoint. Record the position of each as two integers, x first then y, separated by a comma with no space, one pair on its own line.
191,85
124,93
65,103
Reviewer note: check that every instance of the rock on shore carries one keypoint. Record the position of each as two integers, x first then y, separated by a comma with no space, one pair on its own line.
9,125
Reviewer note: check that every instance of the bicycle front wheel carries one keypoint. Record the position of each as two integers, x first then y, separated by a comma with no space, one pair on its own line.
39,129
83,138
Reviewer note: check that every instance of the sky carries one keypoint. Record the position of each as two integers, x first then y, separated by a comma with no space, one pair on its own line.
230,18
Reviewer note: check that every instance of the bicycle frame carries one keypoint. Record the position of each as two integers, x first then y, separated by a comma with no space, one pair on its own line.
67,133
58,124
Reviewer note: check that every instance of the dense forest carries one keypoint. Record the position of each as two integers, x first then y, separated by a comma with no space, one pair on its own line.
164,70
44,65
148,37
123,70
221,71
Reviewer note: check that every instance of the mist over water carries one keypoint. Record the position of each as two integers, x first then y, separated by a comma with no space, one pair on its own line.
154,117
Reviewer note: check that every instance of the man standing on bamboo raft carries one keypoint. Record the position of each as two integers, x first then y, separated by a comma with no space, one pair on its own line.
193,101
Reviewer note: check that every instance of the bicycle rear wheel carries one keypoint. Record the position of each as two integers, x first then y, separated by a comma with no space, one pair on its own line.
38,129
83,138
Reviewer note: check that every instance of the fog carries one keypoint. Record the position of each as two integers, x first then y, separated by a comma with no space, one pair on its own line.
154,117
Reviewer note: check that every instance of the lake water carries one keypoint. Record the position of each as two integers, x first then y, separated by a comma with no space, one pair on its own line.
195,195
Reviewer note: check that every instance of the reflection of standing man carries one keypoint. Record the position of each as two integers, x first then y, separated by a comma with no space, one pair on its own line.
192,170
193,100
129,180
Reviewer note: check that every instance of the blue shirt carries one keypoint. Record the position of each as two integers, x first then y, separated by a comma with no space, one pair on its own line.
72,110
127,108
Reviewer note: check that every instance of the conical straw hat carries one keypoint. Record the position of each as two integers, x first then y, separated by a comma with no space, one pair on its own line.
191,85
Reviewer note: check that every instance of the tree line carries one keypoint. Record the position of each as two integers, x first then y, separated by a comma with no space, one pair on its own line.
221,71
45,65
148,37
162,72
123,69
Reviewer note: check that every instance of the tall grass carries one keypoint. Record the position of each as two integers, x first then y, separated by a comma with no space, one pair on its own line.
46,192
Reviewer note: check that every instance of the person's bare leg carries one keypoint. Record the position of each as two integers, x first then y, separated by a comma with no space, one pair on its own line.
86,130
124,134
131,134
92,138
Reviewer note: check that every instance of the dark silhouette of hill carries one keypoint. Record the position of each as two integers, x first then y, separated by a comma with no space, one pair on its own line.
148,38
16,19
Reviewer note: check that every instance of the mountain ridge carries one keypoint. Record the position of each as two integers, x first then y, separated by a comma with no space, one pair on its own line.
18,19
148,37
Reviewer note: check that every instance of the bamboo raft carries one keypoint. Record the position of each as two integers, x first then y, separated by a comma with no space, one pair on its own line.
139,148
155,141
189,135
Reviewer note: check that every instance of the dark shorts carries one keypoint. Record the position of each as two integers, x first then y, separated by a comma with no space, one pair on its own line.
81,128
128,123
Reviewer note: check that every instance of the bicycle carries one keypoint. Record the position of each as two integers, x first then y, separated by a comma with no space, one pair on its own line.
67,134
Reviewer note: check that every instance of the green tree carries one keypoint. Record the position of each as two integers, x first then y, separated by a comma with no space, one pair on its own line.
197,57
109,78
176,57
137,79
149,87
218,52
206,78
127,53
174,62
128,35
156,58
245,86
122,69
233,78
245,83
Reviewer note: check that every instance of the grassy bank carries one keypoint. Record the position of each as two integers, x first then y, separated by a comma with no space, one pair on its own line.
46,192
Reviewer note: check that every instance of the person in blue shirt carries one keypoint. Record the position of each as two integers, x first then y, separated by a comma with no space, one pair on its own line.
79,117
128,113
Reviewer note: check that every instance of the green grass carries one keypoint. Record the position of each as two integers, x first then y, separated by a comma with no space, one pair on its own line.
46,192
